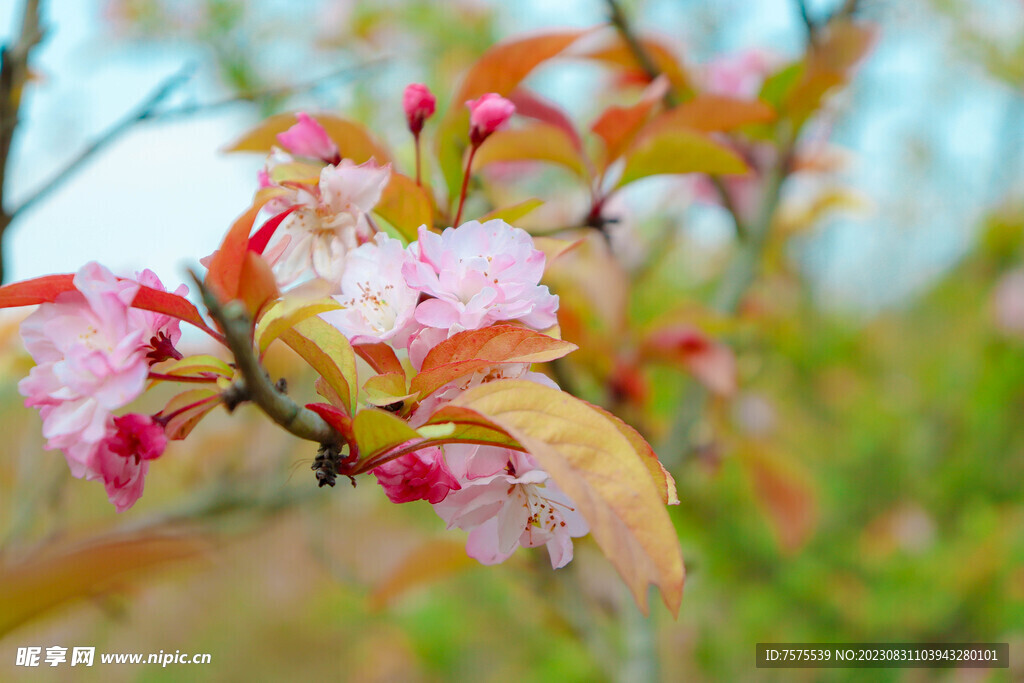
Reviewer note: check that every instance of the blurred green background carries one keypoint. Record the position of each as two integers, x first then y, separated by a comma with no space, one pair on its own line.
864,483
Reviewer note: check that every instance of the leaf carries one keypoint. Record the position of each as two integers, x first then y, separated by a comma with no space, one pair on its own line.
328,352
473,350
679,151
406,206
288,313
616,52
784,489
257,285
431,562
386,389
499,70
708,113
194,404
471,427
64,571
258,242
380,357
532,105
378,430
225,272
198,365
600,470
511,214
353,140
339,420
46,289
534,142
554,247
504,65
663,481
617,126
38,290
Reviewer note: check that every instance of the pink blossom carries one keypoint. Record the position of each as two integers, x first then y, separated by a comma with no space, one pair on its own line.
422,475
487,114
307,138
330,219
419,104
378,304
90,350
738,75
480,274
121,459
507,501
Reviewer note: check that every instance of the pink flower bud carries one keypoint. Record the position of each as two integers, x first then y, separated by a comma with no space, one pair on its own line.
422,475
487,115
307,138
419,104
137,435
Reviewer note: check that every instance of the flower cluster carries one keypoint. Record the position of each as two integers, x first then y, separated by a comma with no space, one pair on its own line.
93,352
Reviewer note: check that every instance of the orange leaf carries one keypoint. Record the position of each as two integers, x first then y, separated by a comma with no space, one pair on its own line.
225,272
712,363
380,357
785,490
709,113
431,562
472,350
618,125
615,52
257,285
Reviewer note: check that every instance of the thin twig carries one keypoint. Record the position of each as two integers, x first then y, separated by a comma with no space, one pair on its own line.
809,25
14,74
257,387
643,58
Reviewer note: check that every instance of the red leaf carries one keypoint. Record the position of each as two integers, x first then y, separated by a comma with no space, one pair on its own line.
531,104
39,290
341,422
259,241
226,266
46,289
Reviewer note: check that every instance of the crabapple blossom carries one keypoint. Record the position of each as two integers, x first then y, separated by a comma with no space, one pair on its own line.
421,475
91,349
378,304
121,459
487,114
307,138
419,104
479,274
329,219
506,501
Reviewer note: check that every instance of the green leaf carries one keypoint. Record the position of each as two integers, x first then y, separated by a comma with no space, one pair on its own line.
679,151
328,352
378,430
472,350
386,389
600,470
288,313
468,426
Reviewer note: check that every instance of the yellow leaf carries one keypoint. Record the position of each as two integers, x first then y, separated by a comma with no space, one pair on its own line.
197,365
406,206
600,470
328,352
378,430
288,313
535,142
511,214
679,151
